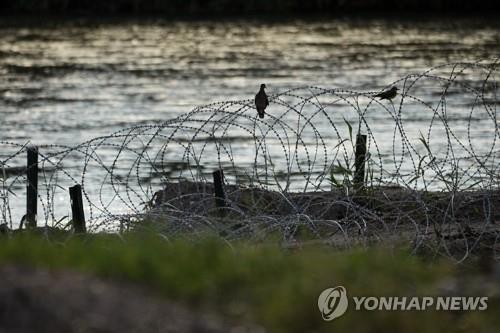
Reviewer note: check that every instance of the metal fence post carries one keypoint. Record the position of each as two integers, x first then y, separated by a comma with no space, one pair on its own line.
32,186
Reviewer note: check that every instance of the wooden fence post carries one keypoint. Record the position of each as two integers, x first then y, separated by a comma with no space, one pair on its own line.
75,193
220,197
359,160
32,186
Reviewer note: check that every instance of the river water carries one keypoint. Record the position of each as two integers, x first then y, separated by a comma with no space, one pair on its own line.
67,83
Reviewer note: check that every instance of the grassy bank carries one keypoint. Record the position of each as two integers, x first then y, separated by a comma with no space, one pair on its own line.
267,285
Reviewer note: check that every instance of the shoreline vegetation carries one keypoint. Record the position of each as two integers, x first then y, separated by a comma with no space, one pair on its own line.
246,285
177,8
456,224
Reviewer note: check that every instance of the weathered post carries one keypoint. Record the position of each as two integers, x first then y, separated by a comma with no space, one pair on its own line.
75,194
359,160
220,197
32,186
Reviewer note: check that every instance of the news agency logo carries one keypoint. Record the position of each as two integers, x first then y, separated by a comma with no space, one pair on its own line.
333,303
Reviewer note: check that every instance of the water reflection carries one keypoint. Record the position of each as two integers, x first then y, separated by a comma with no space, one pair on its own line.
77,82
65,85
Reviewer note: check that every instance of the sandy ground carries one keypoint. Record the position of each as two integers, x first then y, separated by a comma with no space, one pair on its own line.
39,300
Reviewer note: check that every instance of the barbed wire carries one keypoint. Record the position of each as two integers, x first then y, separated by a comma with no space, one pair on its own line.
432,168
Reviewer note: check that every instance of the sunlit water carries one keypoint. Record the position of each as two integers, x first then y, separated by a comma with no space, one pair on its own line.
69,84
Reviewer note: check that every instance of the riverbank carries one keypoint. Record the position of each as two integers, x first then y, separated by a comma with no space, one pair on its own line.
244,284
454,224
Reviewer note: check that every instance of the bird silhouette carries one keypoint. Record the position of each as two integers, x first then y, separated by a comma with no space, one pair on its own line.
261,101
388,94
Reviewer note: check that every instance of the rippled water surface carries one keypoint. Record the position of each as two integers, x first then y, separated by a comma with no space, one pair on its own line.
73,82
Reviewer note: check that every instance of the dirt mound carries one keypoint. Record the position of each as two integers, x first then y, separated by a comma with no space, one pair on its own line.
39,300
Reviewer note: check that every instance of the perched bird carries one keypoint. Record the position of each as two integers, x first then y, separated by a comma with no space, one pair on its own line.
388,94
261,101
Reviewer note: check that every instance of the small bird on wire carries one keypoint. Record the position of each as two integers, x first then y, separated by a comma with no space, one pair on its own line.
261,101
388,94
